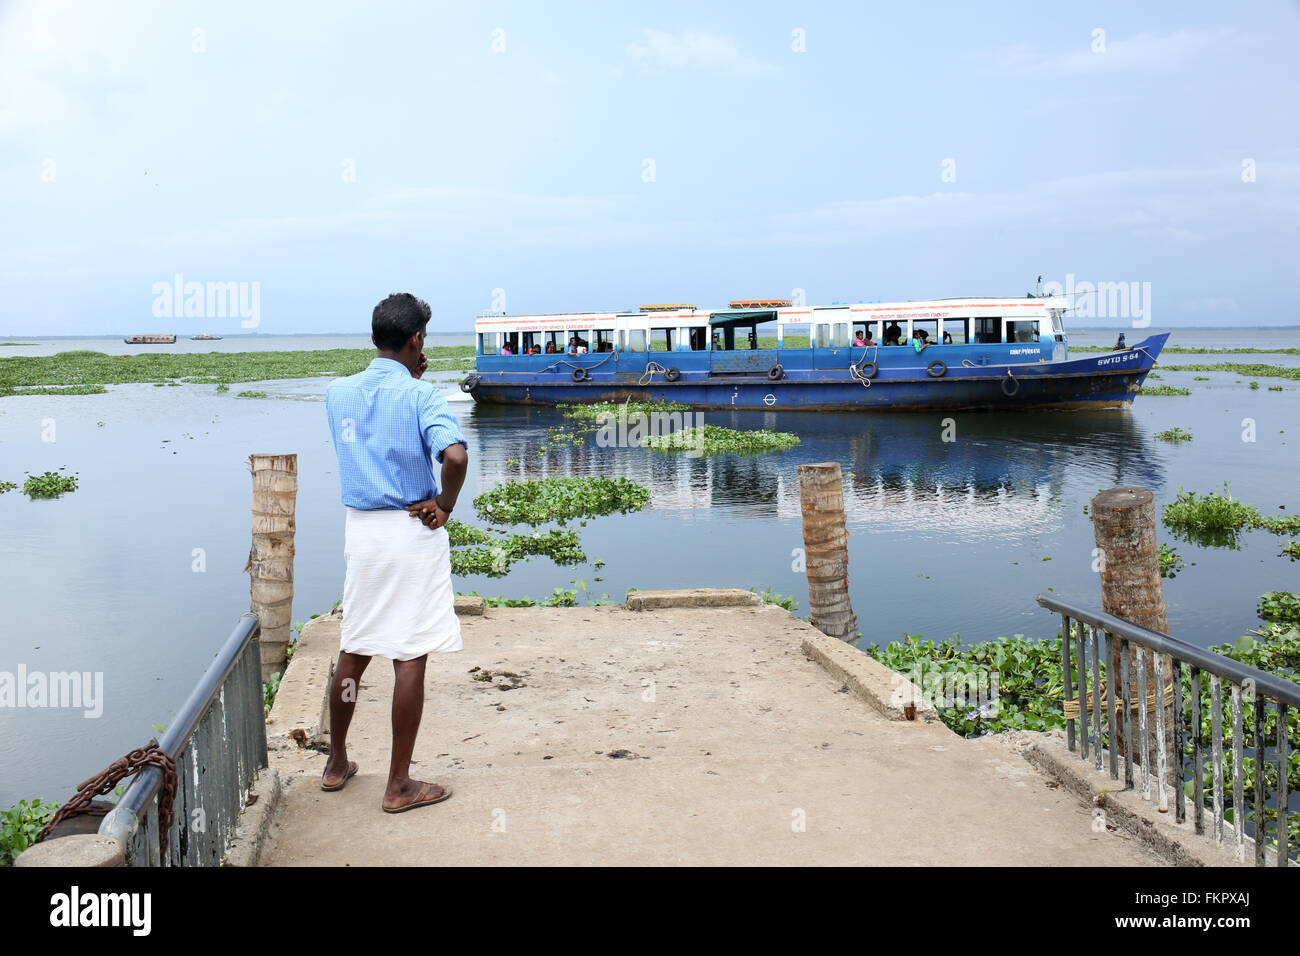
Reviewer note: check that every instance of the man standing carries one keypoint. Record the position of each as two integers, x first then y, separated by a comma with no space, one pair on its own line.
398,602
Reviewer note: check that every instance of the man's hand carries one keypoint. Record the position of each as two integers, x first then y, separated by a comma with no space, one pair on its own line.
421,367
429,512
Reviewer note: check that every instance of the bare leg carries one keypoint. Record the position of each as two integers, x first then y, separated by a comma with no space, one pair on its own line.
343,701
408,705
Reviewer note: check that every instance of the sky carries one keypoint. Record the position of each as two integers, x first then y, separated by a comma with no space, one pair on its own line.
555,157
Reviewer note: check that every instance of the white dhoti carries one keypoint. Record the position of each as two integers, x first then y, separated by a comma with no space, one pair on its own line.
397,596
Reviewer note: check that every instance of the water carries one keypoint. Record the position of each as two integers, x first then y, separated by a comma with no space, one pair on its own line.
138,574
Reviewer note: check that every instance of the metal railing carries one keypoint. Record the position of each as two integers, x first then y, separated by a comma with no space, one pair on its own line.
1170,660
218,740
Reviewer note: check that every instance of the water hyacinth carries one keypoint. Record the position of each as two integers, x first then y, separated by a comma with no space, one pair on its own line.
602,410
1217,518
84,367
560,499
714,439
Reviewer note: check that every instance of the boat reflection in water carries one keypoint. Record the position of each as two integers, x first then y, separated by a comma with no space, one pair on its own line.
996,474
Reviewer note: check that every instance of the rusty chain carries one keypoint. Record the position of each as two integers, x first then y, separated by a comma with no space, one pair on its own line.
150,755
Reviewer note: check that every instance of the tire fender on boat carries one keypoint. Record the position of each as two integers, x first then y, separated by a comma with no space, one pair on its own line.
936,369
1010,380
469,383
776,373
672,374
581,374
868,369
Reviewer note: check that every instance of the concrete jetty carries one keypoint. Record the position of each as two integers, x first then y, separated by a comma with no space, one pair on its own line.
681,728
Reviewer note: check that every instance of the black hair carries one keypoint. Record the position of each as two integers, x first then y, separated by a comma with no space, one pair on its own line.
397,318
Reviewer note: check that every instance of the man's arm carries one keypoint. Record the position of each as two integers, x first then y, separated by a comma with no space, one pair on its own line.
434,512
447,445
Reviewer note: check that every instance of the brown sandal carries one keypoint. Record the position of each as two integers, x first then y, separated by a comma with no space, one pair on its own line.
352,772
423,799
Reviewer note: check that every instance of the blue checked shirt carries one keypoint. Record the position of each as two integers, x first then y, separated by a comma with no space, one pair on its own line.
386,426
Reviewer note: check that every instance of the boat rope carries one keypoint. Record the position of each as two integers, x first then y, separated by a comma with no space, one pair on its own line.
1138,348
613,354
855,367
150,755
650,369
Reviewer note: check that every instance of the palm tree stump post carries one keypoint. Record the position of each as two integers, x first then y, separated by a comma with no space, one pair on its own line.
1124,528
270,560
826,549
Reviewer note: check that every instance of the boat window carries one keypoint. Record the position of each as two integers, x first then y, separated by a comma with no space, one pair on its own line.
555,342
794,336
485,343
841,335
1057,325
929,326
510,343
694,339
955,332
823,333
604,341
636,340
988,331
661,340
861,328
1022,330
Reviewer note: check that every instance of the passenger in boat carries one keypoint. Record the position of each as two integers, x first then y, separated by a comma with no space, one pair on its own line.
919,341
573,345
550,348
947,338
893,333
1119,344
505,349
858,341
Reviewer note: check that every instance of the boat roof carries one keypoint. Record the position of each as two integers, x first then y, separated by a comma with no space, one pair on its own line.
865,311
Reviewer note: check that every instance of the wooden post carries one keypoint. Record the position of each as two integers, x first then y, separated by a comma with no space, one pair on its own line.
270,561
826,549
1124,527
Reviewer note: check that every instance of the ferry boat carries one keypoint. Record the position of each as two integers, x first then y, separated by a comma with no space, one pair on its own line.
966,353
205,337
150,339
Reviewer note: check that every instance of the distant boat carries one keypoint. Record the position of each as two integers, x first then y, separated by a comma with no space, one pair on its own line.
149,339
205,337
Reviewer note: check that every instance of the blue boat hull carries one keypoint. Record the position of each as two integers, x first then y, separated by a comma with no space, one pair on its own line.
1099,381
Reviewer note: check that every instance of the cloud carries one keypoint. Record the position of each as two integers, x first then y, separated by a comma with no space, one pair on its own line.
695,51
1211,304
510,218
1143,52
1180,205
51,52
